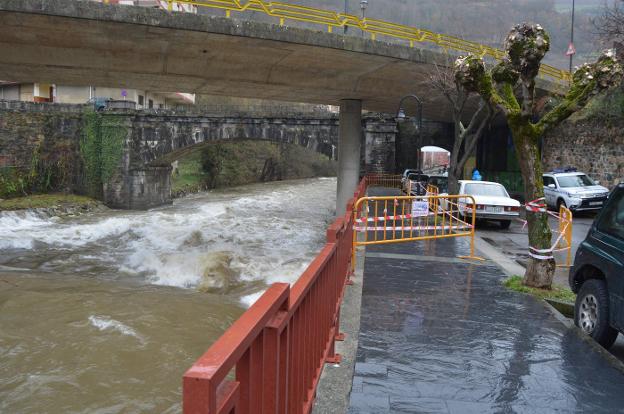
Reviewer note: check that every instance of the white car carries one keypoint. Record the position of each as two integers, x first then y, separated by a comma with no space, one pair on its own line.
492,202
574,190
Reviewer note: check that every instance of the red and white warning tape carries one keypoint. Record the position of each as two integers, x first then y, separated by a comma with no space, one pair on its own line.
537,206
363,229
547,254
386,218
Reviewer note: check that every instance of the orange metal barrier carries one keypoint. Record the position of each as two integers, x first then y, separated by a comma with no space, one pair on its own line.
277,348
394,219
383,180
564,240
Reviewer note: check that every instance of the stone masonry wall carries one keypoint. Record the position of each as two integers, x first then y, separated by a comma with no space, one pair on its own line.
39,147
593,146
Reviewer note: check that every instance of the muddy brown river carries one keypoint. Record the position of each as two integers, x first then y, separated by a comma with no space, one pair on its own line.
103,313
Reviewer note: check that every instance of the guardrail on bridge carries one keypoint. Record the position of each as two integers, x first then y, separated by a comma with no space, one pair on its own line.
374,27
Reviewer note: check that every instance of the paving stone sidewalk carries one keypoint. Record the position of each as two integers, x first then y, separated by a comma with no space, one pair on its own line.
444,336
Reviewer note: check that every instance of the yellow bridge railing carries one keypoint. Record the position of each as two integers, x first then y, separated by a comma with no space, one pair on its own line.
374,27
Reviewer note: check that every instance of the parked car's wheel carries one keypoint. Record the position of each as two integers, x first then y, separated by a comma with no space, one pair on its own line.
561,202
591,312
505,224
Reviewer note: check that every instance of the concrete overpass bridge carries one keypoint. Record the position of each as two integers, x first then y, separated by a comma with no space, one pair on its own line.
85,43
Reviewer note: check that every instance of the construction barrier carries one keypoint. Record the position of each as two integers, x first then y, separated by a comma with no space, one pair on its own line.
270,360
564,240
394,219
383,180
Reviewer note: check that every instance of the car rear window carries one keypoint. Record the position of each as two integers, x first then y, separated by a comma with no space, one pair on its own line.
486,190
612,218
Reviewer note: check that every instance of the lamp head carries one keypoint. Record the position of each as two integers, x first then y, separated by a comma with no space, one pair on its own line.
400,117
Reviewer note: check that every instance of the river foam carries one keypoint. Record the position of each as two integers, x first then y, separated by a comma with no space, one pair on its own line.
104,323
218,242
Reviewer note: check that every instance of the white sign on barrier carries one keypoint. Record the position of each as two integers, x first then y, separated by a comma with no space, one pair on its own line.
420,208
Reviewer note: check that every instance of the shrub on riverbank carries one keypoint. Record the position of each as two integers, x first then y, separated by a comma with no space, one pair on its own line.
49,201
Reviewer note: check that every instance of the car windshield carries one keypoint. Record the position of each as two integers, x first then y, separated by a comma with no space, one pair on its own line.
486,190
575,181
440,182
418,177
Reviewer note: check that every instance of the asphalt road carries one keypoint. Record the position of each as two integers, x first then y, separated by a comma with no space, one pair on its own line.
513,242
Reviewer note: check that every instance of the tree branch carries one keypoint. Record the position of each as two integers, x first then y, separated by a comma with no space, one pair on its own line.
472,139
528,98
576,98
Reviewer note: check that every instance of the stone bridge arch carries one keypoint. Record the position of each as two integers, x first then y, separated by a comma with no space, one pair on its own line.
157,137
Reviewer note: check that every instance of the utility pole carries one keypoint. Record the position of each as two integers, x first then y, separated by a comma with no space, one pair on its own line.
572,36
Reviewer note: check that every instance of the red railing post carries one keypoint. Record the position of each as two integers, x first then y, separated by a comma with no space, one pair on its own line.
274,381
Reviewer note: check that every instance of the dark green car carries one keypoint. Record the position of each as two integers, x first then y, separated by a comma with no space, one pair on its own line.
598,274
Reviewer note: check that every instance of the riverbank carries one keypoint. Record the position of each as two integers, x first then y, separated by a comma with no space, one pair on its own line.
231,164
53,204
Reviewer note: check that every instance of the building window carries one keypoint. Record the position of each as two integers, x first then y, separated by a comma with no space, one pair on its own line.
141,100
150,103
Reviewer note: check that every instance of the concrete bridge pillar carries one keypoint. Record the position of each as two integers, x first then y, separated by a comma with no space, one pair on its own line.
350,136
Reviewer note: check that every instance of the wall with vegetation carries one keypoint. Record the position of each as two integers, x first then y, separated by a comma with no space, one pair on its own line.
39,148
226,164
592,140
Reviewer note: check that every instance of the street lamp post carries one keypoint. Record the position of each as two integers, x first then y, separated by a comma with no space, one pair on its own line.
346,11
400,117
572,36
363,6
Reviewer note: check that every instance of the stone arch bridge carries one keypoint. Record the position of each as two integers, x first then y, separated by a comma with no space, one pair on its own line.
154,139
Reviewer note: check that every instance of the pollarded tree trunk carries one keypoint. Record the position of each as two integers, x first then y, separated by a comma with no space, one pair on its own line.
539,272
526,45
453,181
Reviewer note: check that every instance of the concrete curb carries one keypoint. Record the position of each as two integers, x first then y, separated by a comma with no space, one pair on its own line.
334,389
509,266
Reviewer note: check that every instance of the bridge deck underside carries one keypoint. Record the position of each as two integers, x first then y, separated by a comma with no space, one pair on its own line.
85,43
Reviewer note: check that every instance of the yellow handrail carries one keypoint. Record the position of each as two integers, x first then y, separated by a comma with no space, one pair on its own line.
374,27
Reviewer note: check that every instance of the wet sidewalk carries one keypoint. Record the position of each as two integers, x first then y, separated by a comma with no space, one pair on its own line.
441,335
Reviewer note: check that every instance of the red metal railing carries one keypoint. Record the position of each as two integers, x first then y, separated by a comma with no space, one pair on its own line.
270,360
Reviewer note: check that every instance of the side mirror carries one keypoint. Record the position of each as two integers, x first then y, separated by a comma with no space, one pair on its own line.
597,182
551,186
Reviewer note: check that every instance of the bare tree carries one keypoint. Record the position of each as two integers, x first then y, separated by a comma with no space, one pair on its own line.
610,24
526,45
466,137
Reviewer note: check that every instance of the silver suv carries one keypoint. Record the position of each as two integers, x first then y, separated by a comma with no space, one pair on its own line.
574,190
